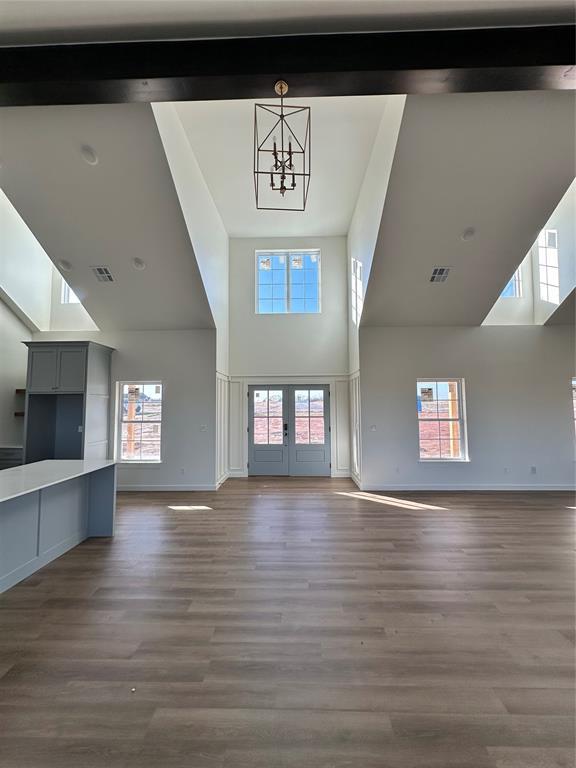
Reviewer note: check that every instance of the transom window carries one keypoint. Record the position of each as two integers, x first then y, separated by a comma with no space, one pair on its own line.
309,416
140,421
67,295
287,281
357,291
513,288
549,273
441,423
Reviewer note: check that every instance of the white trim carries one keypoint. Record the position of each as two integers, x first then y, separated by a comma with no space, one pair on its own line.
240,430
169,487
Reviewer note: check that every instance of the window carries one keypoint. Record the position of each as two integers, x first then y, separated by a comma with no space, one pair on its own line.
67,295
548,266
140,421
357,291
513,289
287,281
441,422
309,416
268,416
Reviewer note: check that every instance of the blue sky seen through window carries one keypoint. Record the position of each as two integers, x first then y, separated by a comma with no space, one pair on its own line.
288,282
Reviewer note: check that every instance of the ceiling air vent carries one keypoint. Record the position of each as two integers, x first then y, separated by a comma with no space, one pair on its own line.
103,274
439,274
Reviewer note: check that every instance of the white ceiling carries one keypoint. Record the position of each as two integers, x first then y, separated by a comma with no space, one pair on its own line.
30,21
343,129
123,207
497,162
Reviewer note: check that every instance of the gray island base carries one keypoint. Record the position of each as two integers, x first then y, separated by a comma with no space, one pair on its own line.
48,507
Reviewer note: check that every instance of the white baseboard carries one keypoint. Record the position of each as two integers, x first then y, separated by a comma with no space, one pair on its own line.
461,487
222,479
340,473
173,487
356,479
238,473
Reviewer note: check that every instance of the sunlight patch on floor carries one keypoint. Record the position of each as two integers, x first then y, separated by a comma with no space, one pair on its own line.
186,508
389,500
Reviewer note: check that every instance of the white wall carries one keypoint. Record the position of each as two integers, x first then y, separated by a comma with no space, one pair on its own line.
518,400
13,364
185,362
288,345
205,227
25,269
365,222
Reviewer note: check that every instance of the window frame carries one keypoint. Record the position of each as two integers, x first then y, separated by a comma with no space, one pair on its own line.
461,420
543,265
287,252
120,421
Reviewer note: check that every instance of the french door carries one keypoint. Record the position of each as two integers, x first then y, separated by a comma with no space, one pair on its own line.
289,430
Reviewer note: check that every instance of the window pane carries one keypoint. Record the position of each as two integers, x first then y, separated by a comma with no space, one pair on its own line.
448,409
131,437
552,257
265,292
427,410
311,305
426,390
298,305
317,431
261,431
265,307
261,402
553,295
553,276
450,449
275,436
264,263
131,402
302,431
297,291
278,277
275,402
430,449
278,306
301,402
429,430
316,401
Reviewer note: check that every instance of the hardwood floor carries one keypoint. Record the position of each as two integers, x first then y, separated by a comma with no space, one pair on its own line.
295,626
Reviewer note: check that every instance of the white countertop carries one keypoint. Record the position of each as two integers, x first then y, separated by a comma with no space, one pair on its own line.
28,478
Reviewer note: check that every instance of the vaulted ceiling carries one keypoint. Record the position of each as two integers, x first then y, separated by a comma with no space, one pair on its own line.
105,209
84,20
220,134
493,164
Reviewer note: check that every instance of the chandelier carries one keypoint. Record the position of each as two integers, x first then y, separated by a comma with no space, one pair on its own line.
281,154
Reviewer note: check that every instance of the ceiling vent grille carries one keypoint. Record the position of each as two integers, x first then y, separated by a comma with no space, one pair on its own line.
103,274
439,274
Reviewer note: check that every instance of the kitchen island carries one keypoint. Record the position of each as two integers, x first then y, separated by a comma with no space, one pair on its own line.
48,507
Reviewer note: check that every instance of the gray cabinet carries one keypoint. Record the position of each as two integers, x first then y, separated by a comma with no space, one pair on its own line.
56,369
42,370
67,401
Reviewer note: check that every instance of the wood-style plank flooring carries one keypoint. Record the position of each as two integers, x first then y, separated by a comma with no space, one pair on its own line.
294,626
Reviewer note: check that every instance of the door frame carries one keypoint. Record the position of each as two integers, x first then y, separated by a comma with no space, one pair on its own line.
340,427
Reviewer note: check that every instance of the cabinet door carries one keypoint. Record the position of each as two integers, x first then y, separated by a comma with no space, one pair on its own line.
43,370
71,370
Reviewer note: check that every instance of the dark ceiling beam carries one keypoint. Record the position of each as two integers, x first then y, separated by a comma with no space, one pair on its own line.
445,61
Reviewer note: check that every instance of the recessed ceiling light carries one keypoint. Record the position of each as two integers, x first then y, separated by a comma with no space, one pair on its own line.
89,154
138,263
64,265
468,233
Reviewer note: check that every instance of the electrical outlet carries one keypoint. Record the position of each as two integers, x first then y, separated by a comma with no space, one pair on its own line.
532,470
373,428
204,428
506,470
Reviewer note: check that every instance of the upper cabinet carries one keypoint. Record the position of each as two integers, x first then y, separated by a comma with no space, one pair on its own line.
53,368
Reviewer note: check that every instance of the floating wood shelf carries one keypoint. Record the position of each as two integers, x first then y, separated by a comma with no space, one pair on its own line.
20,391
18,413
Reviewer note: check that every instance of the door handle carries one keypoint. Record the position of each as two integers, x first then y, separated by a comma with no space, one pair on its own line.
285,429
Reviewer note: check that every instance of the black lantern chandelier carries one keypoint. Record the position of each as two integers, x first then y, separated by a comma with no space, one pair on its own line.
281,154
